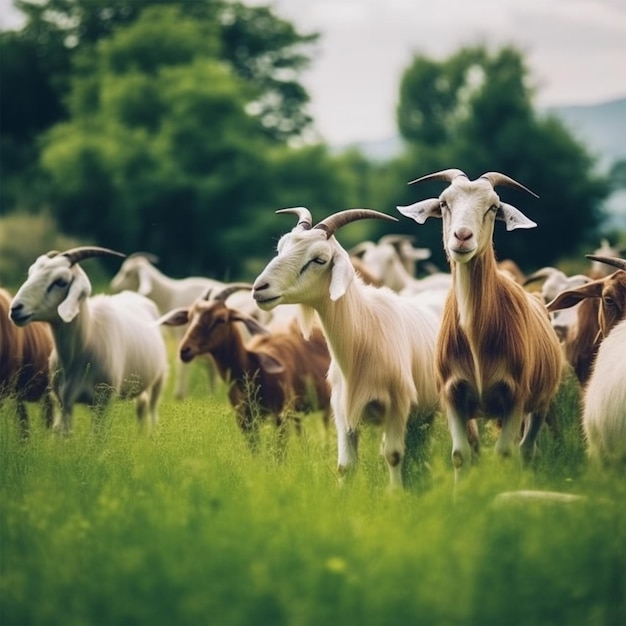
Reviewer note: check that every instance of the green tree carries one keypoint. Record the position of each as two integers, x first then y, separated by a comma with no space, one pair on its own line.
474,111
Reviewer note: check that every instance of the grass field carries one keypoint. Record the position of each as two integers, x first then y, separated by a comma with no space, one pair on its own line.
187,527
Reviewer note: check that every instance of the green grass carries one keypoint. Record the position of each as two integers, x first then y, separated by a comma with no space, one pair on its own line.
187,527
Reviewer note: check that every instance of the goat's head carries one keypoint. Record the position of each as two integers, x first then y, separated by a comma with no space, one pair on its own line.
210,322
469,209
310,263
134,274
55,287
610,291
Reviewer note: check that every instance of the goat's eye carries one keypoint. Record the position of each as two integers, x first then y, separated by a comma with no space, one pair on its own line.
443,204
610,302
59,282
319,261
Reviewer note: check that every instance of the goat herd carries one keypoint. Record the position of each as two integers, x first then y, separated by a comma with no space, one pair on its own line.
352,333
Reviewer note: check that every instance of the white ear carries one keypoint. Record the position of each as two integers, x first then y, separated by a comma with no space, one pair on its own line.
513,217
145,284
421,211
341,277
80,288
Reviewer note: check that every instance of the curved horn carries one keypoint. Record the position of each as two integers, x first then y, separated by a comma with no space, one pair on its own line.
152,258
334,222
609,260
305,220
544,272
495,178
75,255
446,175
230,289
361,248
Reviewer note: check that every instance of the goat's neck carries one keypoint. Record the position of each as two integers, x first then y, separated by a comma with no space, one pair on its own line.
161,285
231,356
70,338
343,321
474,285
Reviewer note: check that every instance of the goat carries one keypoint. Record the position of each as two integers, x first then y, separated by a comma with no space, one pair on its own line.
138,273
604,401
24,370
275,373
389,260
554,282
497,353
381,343
103,344
601,304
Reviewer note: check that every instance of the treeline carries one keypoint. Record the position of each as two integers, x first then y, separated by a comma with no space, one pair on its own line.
179,128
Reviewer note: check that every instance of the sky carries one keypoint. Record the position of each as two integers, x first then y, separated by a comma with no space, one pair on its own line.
575,51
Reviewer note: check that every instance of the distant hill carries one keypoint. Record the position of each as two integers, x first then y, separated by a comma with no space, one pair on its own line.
601,126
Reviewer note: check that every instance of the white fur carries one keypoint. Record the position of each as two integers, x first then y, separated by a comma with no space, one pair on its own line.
104,345
381,343
604,412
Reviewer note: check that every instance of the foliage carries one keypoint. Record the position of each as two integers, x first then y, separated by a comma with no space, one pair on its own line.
188,527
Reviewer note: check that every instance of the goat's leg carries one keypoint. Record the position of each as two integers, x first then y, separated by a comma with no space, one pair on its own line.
533,424
394,442
48,410
182,379
22,417
102,399
153,400
509,433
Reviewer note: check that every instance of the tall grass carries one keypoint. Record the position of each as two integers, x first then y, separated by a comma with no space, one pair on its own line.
188,527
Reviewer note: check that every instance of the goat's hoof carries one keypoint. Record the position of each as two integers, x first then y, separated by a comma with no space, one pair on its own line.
457,459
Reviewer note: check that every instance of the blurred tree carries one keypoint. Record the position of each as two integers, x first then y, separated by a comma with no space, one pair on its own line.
474,111
41,60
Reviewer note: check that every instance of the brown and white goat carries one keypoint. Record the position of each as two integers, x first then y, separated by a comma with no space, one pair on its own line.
24,368
497,354
276,373
601,305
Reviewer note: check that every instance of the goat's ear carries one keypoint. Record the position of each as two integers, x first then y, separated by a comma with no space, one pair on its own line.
342,275
571,297
513,217
176,317
80,288
270,364
254,327
145,284
421,211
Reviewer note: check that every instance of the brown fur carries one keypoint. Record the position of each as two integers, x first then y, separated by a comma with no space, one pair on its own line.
277,374
24,369
602,306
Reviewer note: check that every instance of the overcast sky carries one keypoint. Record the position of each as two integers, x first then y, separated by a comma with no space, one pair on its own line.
575,49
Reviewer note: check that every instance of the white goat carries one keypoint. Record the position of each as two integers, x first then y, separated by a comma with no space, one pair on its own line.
138,273
497,352
554,282
604,405
388,261
103,345
381,343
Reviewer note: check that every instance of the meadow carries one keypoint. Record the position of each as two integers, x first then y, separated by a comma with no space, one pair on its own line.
185,526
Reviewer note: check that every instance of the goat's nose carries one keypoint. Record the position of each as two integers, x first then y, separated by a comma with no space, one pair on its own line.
185,354
463,234
259,287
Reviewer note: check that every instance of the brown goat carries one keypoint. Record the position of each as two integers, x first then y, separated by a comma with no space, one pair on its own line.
497,354
24,369
602,306
277,373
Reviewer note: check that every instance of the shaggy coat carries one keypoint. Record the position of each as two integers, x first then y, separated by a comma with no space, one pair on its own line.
24,363
381,343
275,374
497,354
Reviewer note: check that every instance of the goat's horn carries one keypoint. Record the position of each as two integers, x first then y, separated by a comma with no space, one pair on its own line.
446,175
544,272
75,255
153,258
230,289
52,253
334,222
609,260
495,178
304,216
